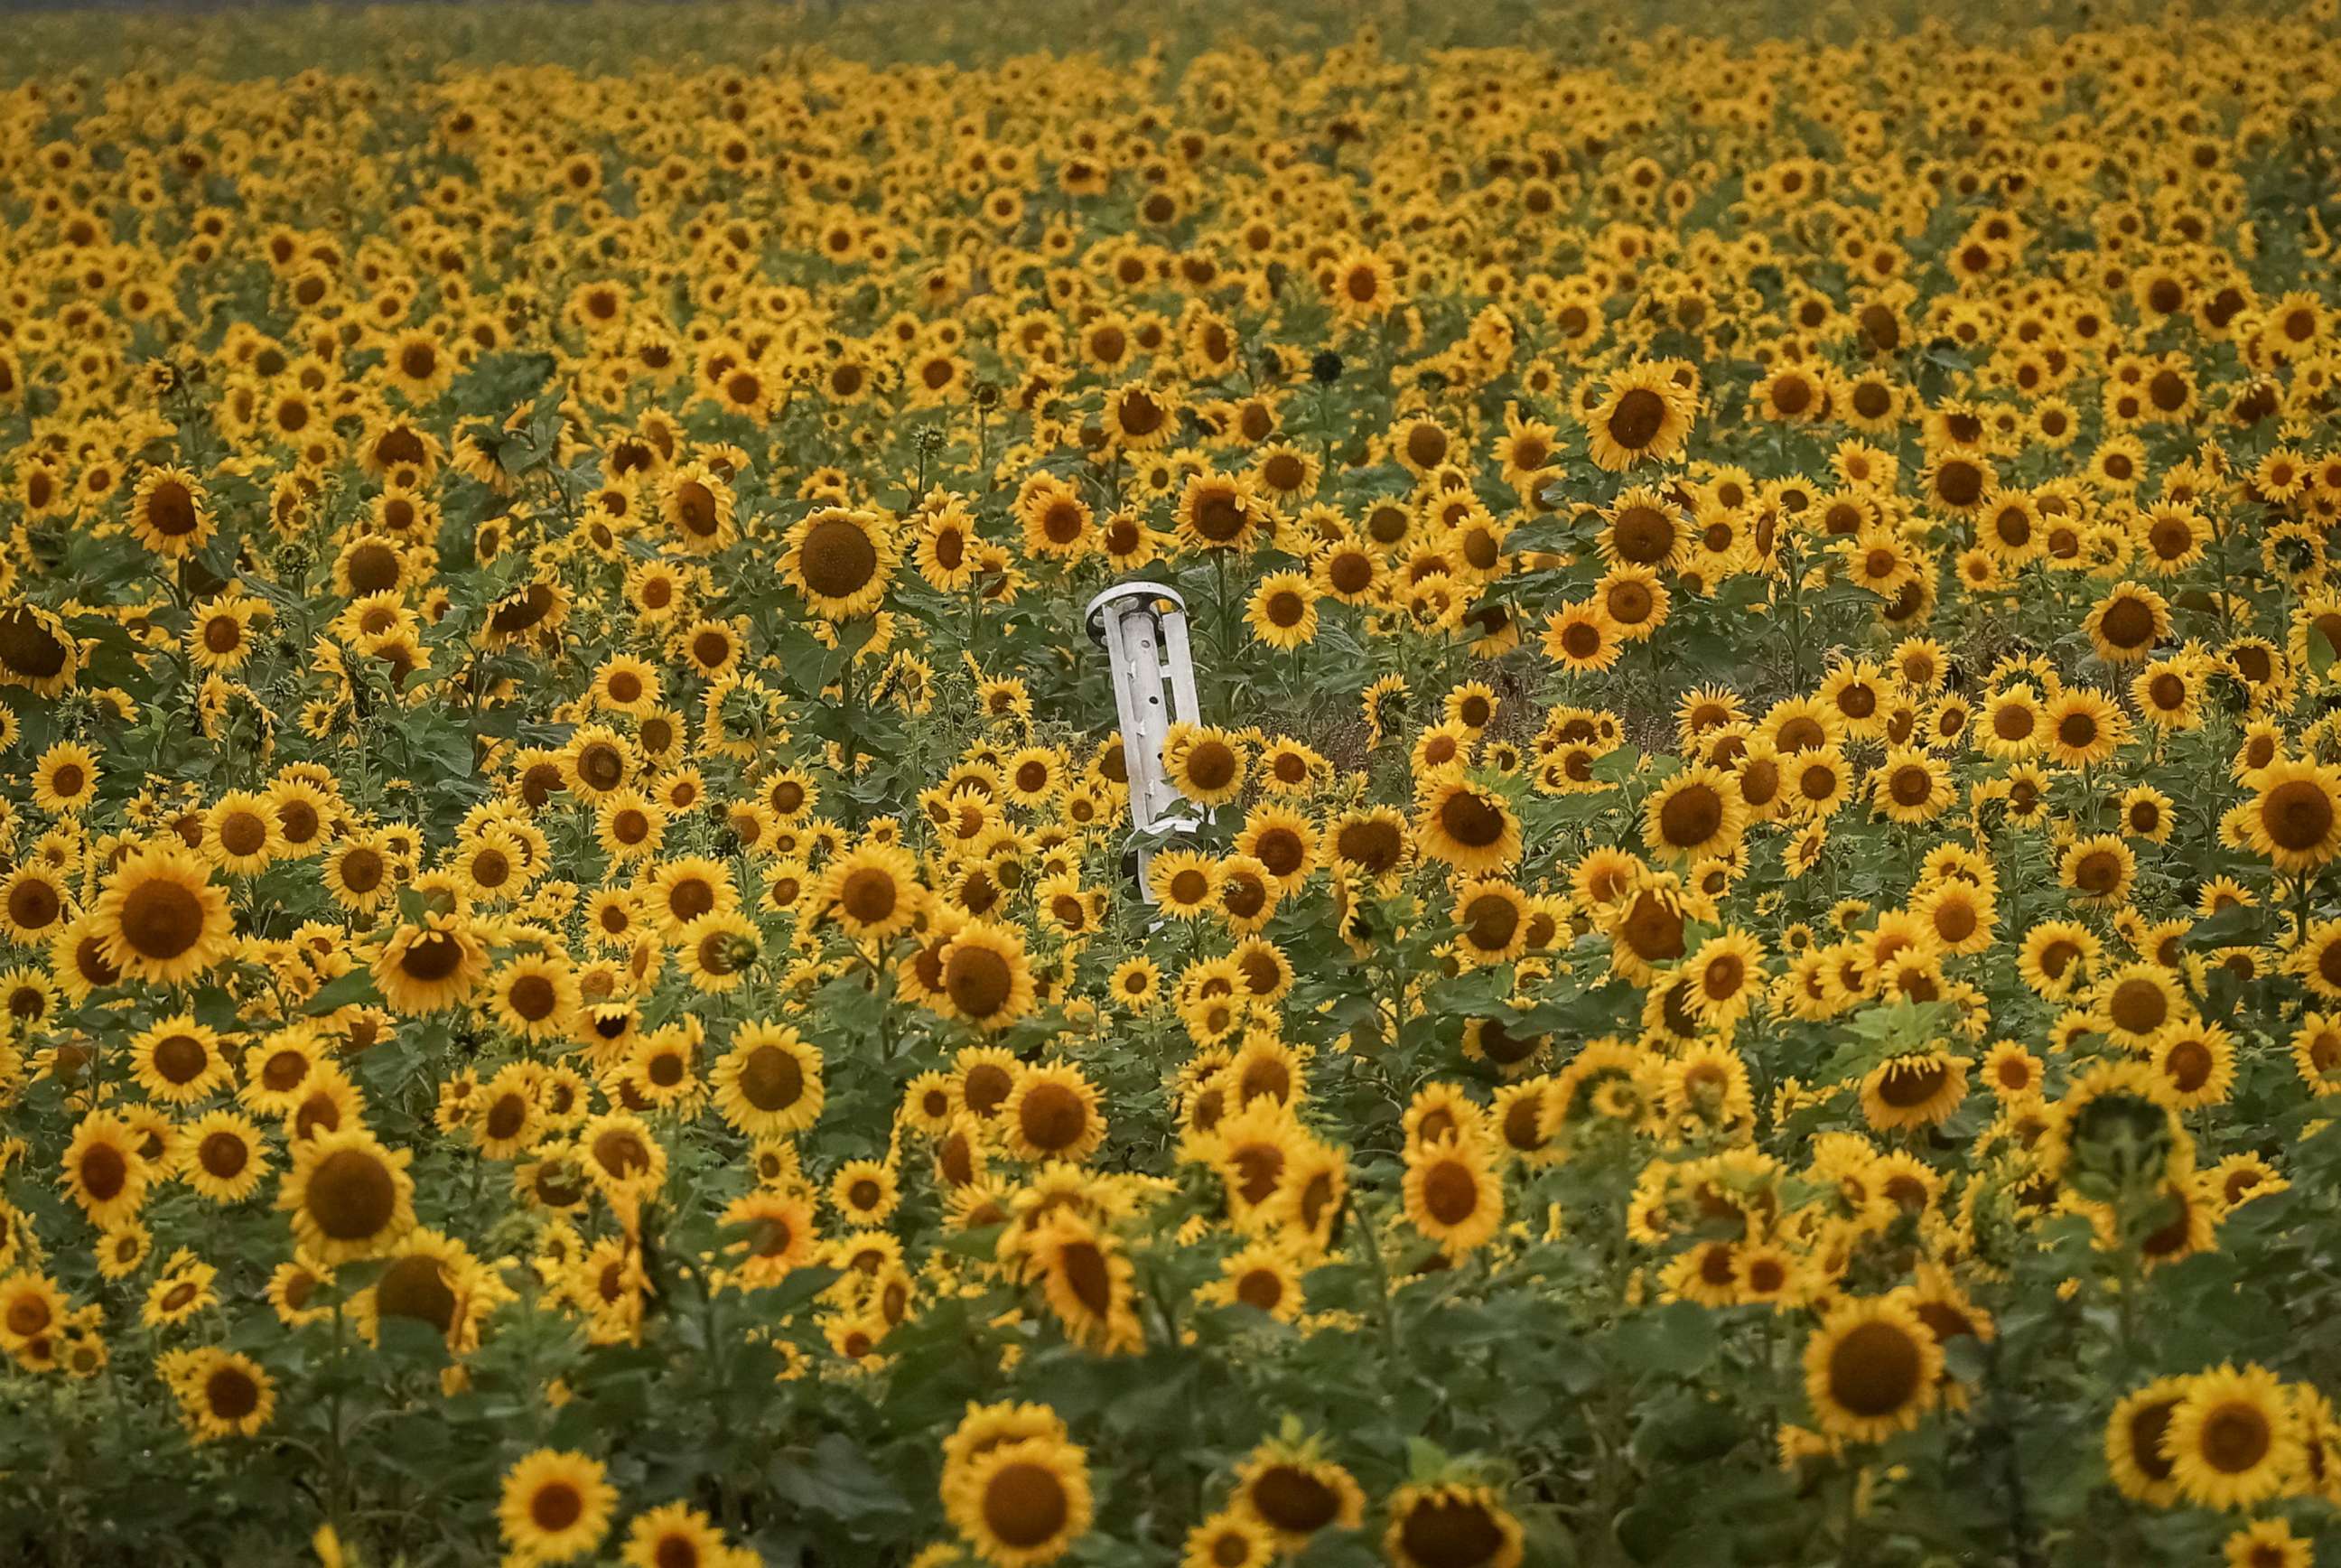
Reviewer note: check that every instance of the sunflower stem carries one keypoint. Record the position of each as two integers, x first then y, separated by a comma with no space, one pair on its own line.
1381,1277
337,1469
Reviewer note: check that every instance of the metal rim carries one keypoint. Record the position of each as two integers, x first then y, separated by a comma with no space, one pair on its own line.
1137,588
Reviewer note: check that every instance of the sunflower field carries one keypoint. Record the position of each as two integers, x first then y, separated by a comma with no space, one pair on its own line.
1748,972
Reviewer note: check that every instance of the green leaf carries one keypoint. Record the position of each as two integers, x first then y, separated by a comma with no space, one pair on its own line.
356,986
1676,1339
2237,925
836,1481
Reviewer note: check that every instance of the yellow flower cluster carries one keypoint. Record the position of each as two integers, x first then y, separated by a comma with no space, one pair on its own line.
1758,912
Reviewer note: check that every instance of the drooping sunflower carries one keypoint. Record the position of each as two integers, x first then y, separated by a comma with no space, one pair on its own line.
1914,1091
1453,1525
2134,1433
170,513
1295,1491
699,506
1087,1280
36,651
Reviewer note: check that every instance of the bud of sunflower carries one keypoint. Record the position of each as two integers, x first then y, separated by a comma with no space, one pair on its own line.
2121,1146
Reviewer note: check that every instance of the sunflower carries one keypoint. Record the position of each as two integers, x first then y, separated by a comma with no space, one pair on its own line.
841,561
221,1392
170,514
163,918
36,652
865,1192
1227,1539
1726,976
777,1236
65,780
221,1156
1644,416
2198,1061
2081,728
1452,1526
984,977
2127,623
350,1196
1204,765
1493,921
32,1309
106,1174
555,1506
2133,1443
2294,821
1183,882
1694,814
178,1060
2098,871
1282,611
1053,1114
2268,1544
673,1535
425,968
1472,827
1089,1282
699,507
534,996
1871,1368
769,1083
1348,571
1221,512
1819,782
242,834
1022,1503
1914,1091
219,637
873,892
2233,1441
1294,1491
1454,1192
1582,638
